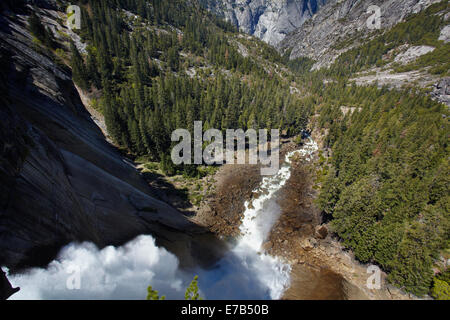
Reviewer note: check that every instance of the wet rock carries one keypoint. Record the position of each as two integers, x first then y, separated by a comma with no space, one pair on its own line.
267,245
288,229
307,230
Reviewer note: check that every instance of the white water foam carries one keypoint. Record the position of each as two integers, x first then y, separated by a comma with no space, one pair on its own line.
111,273
259,217
245,272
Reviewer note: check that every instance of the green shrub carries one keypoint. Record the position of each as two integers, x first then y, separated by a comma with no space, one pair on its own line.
440,290
190,294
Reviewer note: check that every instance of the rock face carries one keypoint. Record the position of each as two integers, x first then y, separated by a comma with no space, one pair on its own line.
412,54
269,20
60,180
441,91
445,34
341,20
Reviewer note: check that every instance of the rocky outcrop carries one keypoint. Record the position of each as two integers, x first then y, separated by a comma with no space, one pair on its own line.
60,180
441,91
412,54
268,20
346,21
445,34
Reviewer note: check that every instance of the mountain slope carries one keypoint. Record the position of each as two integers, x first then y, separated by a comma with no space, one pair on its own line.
411,48
338,21
161,69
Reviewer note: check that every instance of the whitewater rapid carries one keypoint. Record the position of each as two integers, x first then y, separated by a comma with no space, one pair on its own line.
244,272
258,219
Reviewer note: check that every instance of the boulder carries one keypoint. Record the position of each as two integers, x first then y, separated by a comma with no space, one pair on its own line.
307,245
321,232
267,246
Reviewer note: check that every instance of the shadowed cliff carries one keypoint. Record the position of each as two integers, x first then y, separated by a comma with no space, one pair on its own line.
60,180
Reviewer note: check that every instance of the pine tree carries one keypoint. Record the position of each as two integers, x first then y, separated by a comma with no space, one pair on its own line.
192,291
153,294
79,73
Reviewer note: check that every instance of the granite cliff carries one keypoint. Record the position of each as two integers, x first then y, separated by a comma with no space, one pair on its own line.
341,20
268,20
61,181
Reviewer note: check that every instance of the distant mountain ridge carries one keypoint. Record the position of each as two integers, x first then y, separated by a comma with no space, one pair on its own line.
268,20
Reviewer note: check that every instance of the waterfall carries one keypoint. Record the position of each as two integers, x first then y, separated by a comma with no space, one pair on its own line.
271,274
244,272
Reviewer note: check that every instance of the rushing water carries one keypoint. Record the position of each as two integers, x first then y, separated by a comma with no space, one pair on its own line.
258,219
244,272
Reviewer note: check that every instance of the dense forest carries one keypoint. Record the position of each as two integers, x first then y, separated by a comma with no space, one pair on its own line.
161,65
386,183
141,60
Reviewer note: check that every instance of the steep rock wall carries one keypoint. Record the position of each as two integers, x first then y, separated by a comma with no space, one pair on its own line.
269,20
60,180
